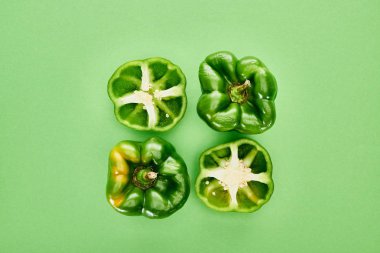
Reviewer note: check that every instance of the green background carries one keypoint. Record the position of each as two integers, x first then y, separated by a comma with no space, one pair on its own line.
57,123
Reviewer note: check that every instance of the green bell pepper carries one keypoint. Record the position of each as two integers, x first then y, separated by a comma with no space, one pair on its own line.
237,94
147,178
235,176
148,94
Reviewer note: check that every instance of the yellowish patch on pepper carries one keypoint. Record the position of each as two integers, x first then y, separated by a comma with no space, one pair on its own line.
122,179
116,201
120,167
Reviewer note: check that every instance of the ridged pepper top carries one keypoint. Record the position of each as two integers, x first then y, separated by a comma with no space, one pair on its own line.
237,94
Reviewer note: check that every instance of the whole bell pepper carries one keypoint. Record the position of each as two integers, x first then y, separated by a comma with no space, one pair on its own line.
237,94
148,94
235,176
147,178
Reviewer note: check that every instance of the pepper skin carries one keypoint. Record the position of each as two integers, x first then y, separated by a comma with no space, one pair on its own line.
237,94
148,94
147,178
235,176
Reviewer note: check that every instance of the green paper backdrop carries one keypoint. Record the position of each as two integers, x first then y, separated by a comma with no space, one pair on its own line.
57,124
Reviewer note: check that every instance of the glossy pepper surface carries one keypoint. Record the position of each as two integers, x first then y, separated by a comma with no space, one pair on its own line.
147,178
237,94
235,176
148,94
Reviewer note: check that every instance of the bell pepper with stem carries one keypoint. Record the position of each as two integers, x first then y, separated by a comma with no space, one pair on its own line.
237,94
147,178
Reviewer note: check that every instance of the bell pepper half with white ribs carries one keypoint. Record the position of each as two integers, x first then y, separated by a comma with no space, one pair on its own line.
235,176
148,94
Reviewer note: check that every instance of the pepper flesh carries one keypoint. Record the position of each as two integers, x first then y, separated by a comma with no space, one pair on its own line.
235,176
148,94
147,178
237,94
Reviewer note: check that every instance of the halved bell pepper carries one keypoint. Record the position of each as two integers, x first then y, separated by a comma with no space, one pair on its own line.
235,176
148,94
147,178
237,94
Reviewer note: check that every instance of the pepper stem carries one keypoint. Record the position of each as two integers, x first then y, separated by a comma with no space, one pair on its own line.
151,175
239,92
144,177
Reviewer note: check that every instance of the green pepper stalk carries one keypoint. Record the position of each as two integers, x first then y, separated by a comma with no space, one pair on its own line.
144,178
148,94
237,94
147,178
235,176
